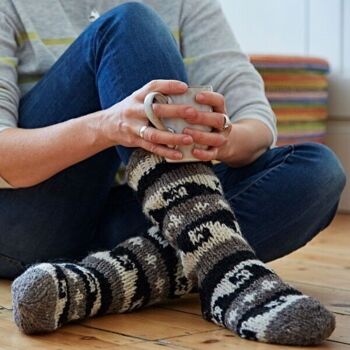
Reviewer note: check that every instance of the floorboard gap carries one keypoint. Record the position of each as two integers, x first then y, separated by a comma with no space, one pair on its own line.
199,332
108,331
318,285
336,341
5,308
182,311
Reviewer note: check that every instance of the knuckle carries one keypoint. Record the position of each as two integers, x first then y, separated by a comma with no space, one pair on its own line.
219,140
152,148
123,126
152,137
119,125
129,129
220,98
215,141
153,84
128,112
220,121
171,85
135,95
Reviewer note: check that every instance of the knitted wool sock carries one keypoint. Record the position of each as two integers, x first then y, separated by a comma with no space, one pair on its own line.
141,271
237,290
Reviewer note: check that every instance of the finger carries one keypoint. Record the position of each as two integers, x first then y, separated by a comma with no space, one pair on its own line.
205,155
206,138
211,119
164,86
174,111
214,99
166,138
136,112
160,150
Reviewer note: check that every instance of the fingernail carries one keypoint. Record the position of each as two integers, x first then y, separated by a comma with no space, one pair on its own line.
183,84
190,112
198,151
188,139
200,96
178,155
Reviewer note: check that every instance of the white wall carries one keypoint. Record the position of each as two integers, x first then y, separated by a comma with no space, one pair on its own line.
300,27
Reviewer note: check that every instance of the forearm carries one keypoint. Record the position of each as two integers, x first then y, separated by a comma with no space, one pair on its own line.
248,140
30,156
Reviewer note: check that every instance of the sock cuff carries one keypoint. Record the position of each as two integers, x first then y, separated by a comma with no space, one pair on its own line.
146,167
141,162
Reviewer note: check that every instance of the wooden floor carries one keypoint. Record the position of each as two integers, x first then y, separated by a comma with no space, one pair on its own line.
322,269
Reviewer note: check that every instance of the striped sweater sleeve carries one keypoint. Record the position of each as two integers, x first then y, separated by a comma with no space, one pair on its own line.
9,91
213,56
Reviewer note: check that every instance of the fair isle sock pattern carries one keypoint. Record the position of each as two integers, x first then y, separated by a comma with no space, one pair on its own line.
139,272
237,290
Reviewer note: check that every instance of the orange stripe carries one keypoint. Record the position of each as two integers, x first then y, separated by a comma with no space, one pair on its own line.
287,59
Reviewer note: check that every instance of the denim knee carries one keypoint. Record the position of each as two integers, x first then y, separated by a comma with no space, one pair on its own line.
135,20
136,31
325,173
135,11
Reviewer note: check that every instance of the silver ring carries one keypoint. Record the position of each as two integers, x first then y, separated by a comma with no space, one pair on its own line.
227,122
142,131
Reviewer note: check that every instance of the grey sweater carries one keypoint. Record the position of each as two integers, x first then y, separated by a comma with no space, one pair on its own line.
35,33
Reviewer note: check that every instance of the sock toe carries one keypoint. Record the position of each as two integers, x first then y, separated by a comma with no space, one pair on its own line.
305,322
35,298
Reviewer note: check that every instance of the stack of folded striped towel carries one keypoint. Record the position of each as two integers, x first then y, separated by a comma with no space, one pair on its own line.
297,88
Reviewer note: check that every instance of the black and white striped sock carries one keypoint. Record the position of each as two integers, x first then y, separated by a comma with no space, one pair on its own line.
139,272
237,290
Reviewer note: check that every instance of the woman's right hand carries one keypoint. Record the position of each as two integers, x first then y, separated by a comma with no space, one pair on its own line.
122,122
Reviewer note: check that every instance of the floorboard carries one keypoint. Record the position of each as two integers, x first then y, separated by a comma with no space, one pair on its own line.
320,269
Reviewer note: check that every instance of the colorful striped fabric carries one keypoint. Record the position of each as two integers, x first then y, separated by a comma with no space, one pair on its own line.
290,62
297,88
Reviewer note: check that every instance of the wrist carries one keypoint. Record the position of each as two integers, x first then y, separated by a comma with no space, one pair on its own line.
234,153
97,130
247,141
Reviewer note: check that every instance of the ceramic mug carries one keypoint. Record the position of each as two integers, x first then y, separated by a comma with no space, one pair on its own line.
177,125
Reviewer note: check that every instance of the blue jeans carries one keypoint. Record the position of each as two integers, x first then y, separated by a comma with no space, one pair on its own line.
282,200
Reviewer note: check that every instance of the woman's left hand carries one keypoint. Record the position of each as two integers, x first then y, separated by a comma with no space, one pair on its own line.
218,139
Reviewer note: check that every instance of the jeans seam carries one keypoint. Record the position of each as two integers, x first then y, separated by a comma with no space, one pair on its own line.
263,175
